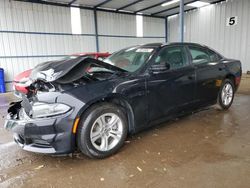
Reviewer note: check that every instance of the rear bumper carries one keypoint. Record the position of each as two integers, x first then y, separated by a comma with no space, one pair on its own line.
42,135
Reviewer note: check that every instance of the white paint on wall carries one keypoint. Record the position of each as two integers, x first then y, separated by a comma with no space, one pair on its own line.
75,20
139,25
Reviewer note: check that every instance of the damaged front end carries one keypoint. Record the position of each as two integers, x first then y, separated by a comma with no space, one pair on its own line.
34,125
58,76
42,122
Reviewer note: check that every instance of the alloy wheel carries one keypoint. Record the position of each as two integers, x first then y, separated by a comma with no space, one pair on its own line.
106,132
227,94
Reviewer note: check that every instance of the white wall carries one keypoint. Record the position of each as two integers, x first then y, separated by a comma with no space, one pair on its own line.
118,31
31,33
208,26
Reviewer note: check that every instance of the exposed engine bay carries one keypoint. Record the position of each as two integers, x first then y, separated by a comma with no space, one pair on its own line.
65,74
57,76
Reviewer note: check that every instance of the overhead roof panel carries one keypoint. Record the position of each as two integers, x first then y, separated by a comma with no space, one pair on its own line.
177,12
171,12
175,9
90,3
60,1
143,4
159,8
148,7
115,4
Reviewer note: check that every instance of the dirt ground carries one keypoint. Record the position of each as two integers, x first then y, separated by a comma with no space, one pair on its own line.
210,148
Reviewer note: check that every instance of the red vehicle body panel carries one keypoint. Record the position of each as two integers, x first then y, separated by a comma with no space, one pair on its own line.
96,55
19,80
17,83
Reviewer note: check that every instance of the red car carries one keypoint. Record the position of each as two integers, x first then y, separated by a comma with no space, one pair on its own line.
21,81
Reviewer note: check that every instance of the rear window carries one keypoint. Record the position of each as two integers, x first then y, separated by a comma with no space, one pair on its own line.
214,56
199,55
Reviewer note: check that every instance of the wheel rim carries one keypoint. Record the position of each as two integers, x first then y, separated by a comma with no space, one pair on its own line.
106,132
227,94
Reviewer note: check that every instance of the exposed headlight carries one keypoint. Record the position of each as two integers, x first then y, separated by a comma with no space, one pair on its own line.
40,110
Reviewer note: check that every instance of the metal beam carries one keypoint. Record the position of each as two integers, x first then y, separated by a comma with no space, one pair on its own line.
181,21
96,31
130,4
71,2
165,10
103,3
128,13
49,3
152,6
218,1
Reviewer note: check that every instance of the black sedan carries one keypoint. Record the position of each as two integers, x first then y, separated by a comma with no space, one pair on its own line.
92,105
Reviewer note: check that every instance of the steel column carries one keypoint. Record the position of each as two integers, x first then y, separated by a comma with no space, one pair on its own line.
166,29
96,31
181,21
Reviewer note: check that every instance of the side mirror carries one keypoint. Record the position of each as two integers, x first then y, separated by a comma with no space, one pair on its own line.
159,68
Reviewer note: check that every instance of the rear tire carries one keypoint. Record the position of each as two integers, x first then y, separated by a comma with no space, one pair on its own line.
226,94
102,130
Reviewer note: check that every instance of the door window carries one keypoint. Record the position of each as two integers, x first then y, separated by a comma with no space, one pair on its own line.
175,56
214,56
199,55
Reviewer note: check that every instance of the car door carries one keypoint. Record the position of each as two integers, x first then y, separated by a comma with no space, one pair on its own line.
209,73
173,90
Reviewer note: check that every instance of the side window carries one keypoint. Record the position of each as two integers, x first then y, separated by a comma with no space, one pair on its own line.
213,56
174,56
199,55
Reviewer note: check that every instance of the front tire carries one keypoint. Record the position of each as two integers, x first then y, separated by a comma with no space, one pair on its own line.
102,130
226,94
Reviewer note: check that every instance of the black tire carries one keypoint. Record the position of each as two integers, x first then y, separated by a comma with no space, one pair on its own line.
220,104
84,142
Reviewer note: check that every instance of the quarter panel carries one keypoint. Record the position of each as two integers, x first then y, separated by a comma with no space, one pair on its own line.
209,79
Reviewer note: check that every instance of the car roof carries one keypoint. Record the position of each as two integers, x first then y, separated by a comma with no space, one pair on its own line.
160,45
187,43
172,43
152,45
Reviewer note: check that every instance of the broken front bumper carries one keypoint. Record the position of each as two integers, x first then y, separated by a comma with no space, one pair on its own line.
42,135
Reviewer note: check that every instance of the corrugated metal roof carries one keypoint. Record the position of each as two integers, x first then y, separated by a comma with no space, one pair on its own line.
146,7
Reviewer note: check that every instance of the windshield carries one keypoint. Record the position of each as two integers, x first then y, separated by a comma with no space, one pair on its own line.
130,59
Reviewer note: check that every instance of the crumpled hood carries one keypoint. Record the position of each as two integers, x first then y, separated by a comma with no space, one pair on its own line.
53,70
